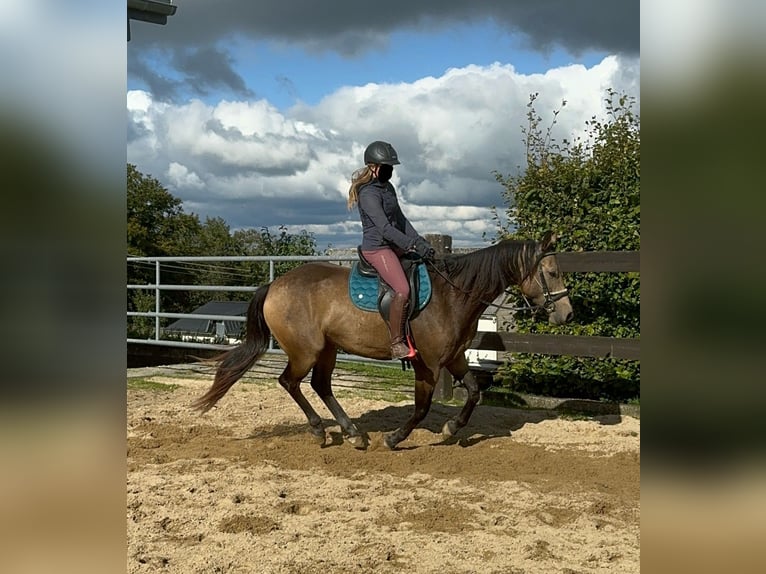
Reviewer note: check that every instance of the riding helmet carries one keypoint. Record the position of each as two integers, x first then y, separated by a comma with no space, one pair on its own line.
381,153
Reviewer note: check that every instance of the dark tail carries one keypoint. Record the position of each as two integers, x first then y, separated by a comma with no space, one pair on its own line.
235,363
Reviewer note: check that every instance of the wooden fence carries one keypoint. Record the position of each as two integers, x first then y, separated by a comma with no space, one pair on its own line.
572,345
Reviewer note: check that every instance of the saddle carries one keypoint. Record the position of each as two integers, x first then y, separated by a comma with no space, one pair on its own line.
371,293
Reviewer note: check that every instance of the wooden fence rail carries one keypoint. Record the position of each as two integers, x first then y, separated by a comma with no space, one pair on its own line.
600,261
572,345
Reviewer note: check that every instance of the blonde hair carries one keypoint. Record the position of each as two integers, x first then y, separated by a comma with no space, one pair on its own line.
359,178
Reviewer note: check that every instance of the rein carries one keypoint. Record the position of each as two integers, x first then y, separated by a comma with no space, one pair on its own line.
550,296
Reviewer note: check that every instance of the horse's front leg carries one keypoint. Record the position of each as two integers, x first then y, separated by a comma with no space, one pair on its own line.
459,369
425,382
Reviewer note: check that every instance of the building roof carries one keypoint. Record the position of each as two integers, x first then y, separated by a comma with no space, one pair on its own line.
207,326
154,11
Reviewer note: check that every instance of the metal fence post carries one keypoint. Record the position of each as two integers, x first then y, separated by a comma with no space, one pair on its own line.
157,301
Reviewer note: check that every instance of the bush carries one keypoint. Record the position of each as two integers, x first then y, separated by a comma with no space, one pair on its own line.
589,191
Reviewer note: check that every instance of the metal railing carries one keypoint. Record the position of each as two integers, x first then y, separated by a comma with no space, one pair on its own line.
158,287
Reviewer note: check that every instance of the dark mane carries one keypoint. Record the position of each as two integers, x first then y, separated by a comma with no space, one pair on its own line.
490,270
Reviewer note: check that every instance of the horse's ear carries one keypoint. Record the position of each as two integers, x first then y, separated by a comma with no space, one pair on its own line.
549,239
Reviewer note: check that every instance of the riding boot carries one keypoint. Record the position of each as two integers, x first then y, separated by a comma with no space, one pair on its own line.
397,320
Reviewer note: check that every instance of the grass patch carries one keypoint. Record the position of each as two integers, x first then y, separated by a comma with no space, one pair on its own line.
574,415
384,373
382,381
143,384
376,395
502,397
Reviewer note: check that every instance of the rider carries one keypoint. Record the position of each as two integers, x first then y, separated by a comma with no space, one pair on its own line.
386,234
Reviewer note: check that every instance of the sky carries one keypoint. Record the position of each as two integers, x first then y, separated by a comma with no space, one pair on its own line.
259,112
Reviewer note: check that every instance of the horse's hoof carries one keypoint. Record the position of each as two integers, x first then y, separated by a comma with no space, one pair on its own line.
388,440
357,441
320,439
449,429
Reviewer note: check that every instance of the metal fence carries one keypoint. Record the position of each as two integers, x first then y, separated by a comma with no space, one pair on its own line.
158,287
605,261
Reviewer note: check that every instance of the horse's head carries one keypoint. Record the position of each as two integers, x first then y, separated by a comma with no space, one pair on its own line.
544,284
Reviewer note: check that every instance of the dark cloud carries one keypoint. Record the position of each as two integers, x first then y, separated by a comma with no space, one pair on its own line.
256,212
199,69
605,25
208,69
349,28
161,87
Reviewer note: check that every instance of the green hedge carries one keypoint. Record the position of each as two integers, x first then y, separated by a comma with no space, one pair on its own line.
589,191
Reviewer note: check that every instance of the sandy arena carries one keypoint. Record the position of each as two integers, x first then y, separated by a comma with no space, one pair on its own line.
245,489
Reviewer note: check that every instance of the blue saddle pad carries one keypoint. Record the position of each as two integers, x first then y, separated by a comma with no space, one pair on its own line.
364,290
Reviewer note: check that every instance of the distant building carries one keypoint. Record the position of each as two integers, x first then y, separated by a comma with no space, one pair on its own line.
222,331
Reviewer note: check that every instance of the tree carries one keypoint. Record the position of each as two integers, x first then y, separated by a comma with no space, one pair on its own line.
263,242
155,218
158,226
590,191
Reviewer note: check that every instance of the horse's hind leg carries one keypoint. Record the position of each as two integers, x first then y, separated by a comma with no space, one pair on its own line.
290,379
321,382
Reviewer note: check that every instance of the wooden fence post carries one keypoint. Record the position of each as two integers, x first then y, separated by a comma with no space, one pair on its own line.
442,244
443,390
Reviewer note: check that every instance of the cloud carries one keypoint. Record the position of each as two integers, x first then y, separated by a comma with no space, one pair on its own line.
161,87
189,46
262,166
343,26
207,68
180,177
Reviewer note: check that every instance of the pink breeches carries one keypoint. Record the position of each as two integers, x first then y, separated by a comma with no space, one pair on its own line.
386,262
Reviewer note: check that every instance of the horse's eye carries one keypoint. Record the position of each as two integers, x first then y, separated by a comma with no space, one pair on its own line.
553,273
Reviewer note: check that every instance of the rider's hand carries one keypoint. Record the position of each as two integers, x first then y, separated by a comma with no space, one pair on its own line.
423,249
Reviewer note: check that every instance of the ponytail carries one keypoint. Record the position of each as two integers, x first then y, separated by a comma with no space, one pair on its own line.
359,178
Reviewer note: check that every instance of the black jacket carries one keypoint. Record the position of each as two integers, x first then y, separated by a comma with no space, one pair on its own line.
383,223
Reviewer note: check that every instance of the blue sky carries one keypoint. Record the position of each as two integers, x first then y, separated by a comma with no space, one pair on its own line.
284,74
258,114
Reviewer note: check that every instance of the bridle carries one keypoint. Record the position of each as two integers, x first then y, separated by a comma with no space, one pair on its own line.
550,296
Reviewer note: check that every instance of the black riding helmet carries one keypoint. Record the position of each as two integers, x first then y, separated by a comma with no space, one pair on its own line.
381,153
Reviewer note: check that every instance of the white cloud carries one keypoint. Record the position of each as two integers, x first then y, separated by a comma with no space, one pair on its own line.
139,101
180,177
253,118
261,166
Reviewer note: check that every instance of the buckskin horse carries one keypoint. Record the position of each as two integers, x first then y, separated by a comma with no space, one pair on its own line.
310,314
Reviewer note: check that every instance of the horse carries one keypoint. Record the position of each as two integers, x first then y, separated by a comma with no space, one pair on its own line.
310,314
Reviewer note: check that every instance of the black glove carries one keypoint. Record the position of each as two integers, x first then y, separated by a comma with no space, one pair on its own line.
423,249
